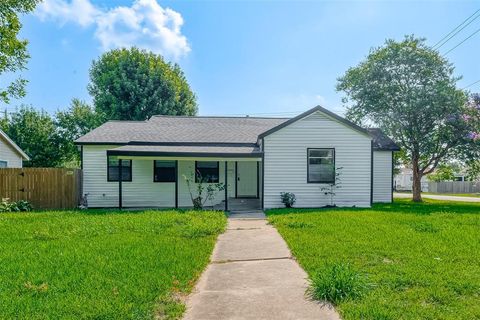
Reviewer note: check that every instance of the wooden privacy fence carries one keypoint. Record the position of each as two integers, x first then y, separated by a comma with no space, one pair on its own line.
454,187
44,188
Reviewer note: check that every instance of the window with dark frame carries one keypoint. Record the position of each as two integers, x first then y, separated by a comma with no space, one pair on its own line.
3,164
113,171
321,165
208,170
164,171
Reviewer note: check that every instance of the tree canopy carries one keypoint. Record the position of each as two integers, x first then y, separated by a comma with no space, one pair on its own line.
444,172
49,140
13,51
34,131
409,91
79,119
133,84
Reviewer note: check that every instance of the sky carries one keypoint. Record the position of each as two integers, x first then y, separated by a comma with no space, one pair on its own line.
258,58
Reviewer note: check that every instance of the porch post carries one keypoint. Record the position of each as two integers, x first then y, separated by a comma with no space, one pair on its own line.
258,180
120,183
226,186
236,179
176,184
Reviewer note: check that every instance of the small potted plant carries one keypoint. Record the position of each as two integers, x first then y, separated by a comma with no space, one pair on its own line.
288,199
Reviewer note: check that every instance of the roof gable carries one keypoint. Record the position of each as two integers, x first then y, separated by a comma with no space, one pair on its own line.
326,112
202,131
14,146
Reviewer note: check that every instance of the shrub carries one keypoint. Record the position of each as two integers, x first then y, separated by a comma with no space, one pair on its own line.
288,199
5,205
198,198
23,205
14,206
336,283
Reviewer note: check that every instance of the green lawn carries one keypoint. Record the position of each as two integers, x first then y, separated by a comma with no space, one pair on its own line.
102,264
473,195
421,260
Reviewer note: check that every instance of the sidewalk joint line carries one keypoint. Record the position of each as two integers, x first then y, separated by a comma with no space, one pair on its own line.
250,260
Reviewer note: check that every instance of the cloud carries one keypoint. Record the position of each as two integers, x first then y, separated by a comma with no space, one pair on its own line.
145,24
82,12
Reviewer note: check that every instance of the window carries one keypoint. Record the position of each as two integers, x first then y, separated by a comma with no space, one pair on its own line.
3,164
321,165
208,170
164,171
112,167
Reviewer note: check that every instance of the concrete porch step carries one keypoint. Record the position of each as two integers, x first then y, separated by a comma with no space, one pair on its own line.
240,204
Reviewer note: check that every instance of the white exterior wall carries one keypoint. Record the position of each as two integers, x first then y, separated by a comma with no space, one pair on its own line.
9,154
187,167
285,156
382,176
142,191
404,181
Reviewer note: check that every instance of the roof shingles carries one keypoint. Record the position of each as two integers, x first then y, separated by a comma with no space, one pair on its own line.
199,130
182,129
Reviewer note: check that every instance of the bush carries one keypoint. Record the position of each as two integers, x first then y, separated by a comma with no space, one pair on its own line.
288,199
23,205
336,283
14,206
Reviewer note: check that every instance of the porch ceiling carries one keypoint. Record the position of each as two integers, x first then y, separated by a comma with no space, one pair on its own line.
250,152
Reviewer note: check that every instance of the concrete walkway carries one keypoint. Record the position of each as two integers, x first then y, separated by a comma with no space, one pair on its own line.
438,197
252,276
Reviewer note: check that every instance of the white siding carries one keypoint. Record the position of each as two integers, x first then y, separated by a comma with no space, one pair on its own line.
141,191
9,154
187,167
382,176
286,162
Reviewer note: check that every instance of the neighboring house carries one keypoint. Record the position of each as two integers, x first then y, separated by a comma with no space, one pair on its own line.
11,156
403,181
257,159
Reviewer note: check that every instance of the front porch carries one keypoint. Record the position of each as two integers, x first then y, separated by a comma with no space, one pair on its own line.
158,178
240,204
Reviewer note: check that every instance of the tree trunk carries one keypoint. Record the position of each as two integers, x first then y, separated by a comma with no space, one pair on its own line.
417,181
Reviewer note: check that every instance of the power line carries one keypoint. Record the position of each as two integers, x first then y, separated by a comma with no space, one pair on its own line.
442,43
285,113
474,33
471,84
455,29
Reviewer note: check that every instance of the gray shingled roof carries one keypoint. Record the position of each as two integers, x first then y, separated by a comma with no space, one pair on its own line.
381,141
225,151
182,129
199,130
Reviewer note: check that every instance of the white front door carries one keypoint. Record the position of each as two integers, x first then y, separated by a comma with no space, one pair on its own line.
247,179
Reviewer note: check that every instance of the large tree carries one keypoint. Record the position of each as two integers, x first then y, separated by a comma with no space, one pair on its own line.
79,119
409,90
133,84
35,132
13,51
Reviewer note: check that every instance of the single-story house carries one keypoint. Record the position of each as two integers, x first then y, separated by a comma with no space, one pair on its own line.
11,155
403,181
256,159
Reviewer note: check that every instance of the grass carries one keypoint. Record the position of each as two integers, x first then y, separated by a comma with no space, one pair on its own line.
336,283
472,195
422,260
102,264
